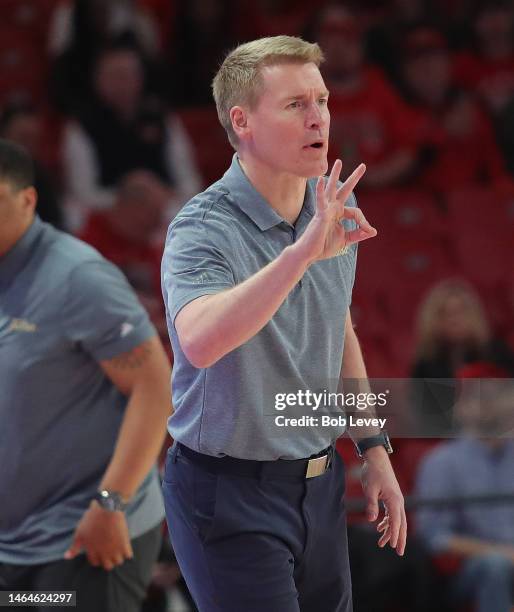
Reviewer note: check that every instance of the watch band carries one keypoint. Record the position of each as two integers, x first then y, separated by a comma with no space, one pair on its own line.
110,500
381,439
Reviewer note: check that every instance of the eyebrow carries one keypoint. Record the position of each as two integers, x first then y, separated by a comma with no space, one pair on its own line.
323,94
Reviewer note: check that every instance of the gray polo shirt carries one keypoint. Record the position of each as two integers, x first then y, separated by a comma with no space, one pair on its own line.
63,308
219,239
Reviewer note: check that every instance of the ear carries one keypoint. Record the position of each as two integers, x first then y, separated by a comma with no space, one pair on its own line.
239,119
29,196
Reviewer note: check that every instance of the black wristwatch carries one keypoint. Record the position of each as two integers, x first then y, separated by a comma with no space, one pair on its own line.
381,439
110,500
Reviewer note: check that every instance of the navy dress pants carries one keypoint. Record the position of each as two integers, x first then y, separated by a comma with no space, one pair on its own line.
266,543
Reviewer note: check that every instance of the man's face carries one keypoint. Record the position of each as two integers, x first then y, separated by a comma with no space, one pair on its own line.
16,210
119,78
288,129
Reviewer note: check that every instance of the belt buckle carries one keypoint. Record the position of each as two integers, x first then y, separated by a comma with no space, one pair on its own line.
316,467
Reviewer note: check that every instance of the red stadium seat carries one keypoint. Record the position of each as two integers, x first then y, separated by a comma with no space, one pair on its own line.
417,265
483,224
396,213
23,68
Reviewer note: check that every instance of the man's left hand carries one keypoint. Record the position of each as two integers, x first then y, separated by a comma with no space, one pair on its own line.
103,536
379,483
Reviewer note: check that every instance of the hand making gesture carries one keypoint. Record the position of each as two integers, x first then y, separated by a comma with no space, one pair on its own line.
326,235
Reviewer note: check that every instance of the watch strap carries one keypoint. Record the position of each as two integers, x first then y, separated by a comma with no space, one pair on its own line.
381,439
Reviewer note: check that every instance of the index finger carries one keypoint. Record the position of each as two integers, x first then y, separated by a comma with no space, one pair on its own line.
332,180
349,185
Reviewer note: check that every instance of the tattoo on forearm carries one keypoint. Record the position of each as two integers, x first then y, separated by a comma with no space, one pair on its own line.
133,359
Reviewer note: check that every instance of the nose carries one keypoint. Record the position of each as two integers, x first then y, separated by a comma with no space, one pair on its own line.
316,116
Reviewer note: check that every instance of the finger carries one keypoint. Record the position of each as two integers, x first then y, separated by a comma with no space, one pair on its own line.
383,524
395,522
331,189
359,235
74,549
320,195
108,565
402,540
349,185
129,553
384,538
119,560
358,216
93,559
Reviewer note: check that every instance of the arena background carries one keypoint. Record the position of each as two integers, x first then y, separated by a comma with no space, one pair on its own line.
422,92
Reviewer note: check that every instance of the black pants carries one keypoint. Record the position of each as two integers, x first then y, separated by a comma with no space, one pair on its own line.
119,590
259,544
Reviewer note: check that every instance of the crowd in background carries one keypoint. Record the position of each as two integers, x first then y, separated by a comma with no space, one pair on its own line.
112,99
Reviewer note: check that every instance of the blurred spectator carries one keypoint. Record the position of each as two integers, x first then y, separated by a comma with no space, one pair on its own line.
489,68
384,40
78,33
122,129
453,135
275,17
367,116
203,35
452,330
480,536
128,235
22,124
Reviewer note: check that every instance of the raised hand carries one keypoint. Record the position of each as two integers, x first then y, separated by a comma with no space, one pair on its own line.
325,236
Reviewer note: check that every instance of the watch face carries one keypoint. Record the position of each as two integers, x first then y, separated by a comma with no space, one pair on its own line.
109,501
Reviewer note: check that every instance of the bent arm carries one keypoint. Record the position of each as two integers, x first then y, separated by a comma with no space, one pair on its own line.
143,374
211,326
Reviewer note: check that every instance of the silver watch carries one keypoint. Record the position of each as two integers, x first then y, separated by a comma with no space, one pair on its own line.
110,500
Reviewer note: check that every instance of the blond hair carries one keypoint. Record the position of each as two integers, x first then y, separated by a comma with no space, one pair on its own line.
429,314
238,80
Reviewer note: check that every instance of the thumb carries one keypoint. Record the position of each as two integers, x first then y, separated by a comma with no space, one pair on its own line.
372,509
75,548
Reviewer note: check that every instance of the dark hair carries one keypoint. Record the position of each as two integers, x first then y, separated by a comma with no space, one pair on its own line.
13,111
16,166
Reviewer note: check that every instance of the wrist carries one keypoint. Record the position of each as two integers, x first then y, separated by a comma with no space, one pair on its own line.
111,501
298,254
374,454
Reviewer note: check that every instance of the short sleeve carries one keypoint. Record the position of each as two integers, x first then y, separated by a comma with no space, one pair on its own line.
102,312
195,262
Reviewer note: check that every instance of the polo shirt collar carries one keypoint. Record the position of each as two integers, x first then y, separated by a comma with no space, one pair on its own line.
253,204
15,259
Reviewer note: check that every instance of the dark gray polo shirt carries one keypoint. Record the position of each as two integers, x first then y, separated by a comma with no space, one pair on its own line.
63,308
219,239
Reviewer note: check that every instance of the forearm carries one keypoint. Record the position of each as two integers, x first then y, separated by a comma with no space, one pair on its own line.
222,322
353,371
466,546
140,438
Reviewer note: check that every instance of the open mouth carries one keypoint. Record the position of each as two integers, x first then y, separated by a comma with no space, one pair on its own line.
315,145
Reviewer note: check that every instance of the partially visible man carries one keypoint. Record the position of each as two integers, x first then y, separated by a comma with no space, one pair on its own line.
258,273
479,463
85,396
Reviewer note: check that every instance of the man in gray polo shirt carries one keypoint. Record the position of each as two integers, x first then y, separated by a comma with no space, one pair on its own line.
83,407
257,276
